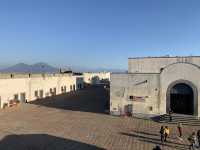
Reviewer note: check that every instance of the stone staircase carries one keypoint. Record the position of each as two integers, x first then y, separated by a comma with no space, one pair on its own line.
176,118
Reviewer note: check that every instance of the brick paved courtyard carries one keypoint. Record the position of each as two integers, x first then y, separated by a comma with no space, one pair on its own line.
77,121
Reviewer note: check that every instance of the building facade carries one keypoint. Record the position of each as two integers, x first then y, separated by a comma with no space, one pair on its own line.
155,85
29,87
95,78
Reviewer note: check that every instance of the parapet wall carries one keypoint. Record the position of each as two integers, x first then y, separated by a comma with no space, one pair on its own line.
156,64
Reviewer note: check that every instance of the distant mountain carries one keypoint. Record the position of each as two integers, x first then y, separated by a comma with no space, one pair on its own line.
46,68
35,68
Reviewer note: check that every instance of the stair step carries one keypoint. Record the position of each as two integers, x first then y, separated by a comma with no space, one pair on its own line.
185,119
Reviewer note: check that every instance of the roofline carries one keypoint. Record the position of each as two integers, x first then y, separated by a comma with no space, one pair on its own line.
161,57
130,73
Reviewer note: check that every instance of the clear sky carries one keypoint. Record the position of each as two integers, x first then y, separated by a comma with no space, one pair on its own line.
97,33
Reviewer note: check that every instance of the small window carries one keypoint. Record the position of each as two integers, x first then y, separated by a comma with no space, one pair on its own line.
36,93
41,93
62,89
51,91
74,87
131,97
23,97
16,97
150,108
54,91
71,88
65,89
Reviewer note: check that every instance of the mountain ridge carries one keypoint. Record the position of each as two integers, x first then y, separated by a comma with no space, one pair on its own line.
42,67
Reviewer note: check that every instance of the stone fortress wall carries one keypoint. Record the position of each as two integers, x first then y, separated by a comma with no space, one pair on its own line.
144,88
95,78
33,86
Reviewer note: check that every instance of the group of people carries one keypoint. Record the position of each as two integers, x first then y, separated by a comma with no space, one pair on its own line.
194,138
164,133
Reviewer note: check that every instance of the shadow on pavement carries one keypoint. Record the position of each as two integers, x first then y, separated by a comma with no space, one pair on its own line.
42,142
144,137
91,99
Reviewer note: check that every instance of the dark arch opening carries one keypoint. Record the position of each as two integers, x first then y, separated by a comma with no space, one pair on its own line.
182,99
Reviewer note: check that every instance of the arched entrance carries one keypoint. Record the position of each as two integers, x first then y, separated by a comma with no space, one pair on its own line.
182,98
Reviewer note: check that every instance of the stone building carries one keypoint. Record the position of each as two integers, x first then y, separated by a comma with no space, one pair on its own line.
95,78
30,87
155,85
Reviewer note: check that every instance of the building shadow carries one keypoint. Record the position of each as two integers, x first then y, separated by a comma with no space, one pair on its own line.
91,99
42,142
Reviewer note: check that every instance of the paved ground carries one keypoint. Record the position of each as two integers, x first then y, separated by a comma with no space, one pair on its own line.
77,122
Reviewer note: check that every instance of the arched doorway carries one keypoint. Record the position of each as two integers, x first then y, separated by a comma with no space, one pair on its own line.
182,98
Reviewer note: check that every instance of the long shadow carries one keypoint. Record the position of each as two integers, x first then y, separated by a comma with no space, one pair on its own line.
91,99
146,133
42,142
155,141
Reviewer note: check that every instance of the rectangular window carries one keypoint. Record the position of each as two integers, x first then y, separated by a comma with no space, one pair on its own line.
41,93
62,90
16,97
71,88
54,91
74,87
150,108
131,97
65,89
36,93
23,97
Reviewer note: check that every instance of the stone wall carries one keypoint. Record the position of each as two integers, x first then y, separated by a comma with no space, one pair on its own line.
36,85
156,64
95,78
147,84
144,88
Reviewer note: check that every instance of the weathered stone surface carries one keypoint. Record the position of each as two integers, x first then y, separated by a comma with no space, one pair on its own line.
151,79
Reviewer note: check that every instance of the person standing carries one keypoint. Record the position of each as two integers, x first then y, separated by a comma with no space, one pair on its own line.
179,127
192,139
166,131
162,133
170,115
198,137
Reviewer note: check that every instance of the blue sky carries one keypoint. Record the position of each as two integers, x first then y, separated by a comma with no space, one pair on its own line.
96,33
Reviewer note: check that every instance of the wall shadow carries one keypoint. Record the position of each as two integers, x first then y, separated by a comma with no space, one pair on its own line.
42,142
91,99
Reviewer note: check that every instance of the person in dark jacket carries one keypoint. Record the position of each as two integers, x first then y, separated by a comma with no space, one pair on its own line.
162,134
198,137
157,148
170,115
